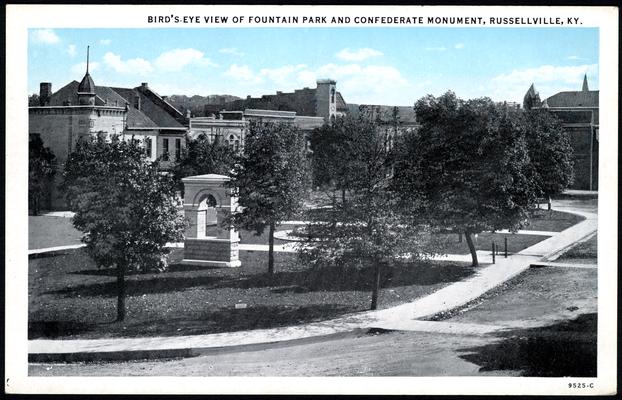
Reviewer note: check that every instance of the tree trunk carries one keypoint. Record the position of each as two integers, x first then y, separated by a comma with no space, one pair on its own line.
120,292
376,285
35,205
271,249
469,240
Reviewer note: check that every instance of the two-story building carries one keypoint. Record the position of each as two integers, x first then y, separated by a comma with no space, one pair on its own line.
81,109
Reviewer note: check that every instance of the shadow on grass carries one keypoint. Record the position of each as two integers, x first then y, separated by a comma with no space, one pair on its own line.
216,321
350,278
304,280
563,349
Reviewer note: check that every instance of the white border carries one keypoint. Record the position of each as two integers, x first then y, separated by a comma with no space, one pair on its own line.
21,17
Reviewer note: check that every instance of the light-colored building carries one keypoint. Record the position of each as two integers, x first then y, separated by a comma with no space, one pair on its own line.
81,109
231,127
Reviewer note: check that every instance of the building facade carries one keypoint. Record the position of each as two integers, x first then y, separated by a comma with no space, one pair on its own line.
578,113
231,127
81,109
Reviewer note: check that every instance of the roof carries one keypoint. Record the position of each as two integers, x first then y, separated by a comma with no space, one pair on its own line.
150,115
341,103
86,85
584,98
252,112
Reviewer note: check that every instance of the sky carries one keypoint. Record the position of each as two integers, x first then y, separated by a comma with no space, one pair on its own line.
390,66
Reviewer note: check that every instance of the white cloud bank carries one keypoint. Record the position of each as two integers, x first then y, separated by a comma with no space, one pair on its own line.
71,50
177,59
357,55
548,80
45,36
138,66
358,83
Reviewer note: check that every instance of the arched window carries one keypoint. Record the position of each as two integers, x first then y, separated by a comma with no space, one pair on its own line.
332,95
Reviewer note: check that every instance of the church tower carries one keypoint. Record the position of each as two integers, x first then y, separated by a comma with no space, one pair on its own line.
86,88
531,99
585,88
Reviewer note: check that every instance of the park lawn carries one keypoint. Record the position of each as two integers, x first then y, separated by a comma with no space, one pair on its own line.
46,232
450,244
70,298
551,221
551,319
584,252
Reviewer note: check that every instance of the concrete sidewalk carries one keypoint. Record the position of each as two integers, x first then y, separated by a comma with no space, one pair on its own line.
403,317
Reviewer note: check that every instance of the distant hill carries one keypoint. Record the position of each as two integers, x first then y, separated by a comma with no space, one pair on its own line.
196,104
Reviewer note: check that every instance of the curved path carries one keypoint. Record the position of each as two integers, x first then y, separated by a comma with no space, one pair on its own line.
403,317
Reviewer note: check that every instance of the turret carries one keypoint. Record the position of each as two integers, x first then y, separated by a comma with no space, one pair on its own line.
86,88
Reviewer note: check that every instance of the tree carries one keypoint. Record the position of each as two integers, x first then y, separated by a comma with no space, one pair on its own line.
368,230
334,161
40,172
270,178
468,165
125,207
33,100
550,152
204,156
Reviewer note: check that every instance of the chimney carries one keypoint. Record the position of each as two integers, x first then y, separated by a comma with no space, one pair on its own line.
137,102
45,91
144,86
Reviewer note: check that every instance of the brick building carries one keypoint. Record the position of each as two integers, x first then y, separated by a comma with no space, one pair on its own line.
578,113
323,101
81,109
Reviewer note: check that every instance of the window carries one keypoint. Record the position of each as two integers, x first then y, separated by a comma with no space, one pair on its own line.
332,95
237,145
165,149
231,141
177,149
148,147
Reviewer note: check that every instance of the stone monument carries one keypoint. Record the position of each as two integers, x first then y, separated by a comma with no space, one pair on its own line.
207,201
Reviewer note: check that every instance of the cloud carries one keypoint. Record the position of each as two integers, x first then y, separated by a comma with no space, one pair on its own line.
548,79
105,42
71,50
80,68
459,46
177,59
575,58
361,83
231,50
137,66
357,55
548,73
45,36
440,48
241,73
281,76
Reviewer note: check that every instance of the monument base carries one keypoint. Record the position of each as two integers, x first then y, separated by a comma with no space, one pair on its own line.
206,263
211,252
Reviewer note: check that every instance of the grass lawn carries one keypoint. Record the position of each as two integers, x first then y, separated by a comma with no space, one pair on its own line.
547,311
583,252
58,231
553,221
450,243
50,232
69,297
